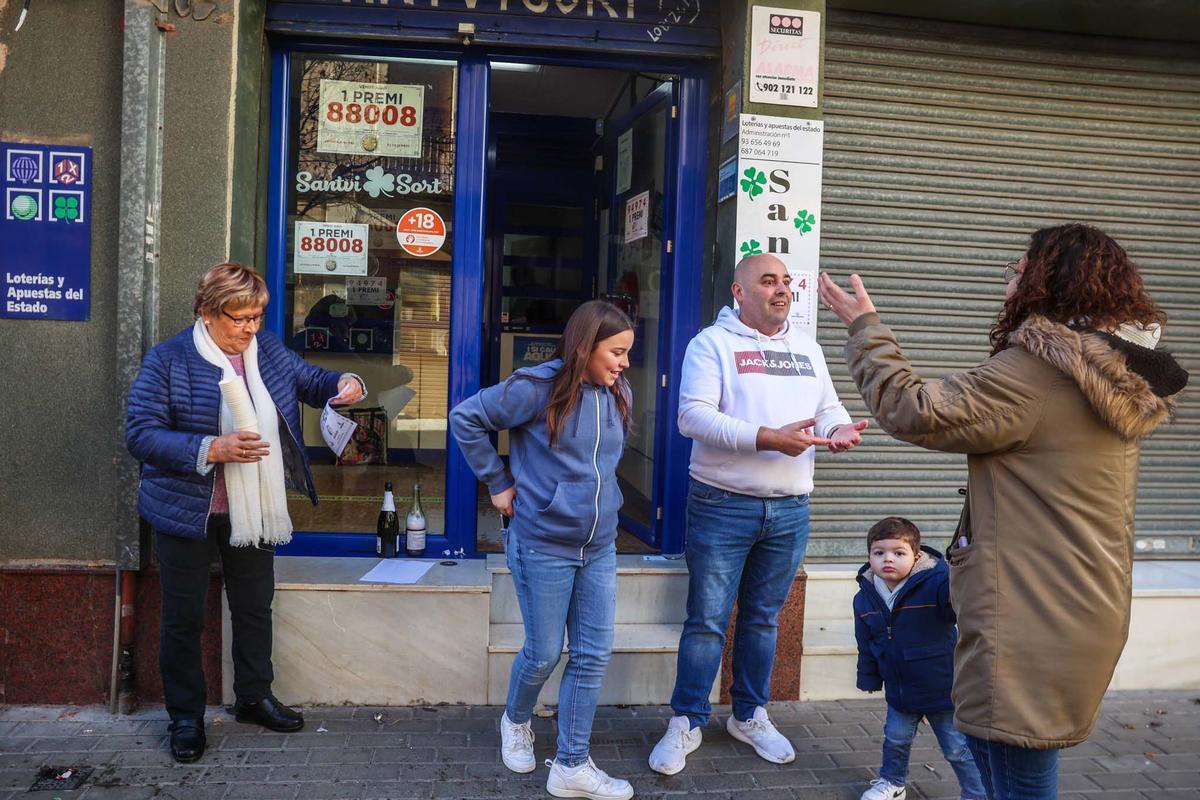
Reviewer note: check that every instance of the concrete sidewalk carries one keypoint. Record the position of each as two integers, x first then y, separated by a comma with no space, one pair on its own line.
1145,747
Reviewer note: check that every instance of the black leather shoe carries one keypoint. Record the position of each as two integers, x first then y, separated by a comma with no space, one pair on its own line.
270,713
187,740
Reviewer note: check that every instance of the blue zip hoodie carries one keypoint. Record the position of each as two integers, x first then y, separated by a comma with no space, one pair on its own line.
908,649
567,495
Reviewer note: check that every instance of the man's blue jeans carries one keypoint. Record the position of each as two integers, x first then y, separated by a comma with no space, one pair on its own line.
742,547
1016,773
555,593
898,733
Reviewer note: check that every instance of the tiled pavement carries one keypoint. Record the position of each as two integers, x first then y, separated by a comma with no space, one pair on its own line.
1145,747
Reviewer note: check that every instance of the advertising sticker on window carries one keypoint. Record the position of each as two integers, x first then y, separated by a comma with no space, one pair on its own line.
421,232
637,217
368,291
370,119
330,248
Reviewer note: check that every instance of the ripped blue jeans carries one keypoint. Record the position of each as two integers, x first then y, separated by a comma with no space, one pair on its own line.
558,594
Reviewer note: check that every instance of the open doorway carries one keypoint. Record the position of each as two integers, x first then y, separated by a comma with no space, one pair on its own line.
578,200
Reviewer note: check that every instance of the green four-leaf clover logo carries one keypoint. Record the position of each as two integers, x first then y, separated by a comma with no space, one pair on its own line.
754,182
66,207
751,248
804,221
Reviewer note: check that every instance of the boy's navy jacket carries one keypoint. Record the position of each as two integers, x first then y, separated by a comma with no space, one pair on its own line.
909,649
567,495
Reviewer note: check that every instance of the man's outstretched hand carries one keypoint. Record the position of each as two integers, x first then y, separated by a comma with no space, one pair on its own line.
791,439
847,436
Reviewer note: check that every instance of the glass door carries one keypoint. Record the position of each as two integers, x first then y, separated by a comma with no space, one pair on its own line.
638,152
367,246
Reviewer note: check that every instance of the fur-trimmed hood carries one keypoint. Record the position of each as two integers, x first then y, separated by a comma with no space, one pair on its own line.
1115,376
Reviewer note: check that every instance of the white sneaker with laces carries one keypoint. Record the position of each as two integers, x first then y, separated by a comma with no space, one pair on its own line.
760,733
670,754
586,780
516,745
883,790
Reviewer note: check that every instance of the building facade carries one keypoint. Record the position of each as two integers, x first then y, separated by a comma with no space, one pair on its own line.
430,187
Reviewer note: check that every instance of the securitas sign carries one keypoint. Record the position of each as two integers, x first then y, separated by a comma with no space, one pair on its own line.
771,362
786,25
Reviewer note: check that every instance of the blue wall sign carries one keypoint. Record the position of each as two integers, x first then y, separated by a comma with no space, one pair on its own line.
727,179
46,231
530,350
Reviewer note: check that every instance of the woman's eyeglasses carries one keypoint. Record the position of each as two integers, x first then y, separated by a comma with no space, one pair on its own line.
242,322
1011,270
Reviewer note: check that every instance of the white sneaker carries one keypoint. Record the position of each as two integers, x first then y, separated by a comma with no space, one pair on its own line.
760,733
586,780
670,754
882,790
516,745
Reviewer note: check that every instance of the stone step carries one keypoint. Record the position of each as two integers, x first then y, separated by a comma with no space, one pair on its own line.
640,672
649,591
338,640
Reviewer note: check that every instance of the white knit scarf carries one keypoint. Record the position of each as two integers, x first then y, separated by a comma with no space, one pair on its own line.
257,494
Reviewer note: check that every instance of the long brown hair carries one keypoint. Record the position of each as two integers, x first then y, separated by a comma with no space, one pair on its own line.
1077,275
590,324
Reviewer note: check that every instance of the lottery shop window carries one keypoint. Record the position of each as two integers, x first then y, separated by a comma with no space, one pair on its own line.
369,245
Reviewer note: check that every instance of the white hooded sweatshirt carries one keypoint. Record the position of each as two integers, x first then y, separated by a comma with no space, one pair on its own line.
735,380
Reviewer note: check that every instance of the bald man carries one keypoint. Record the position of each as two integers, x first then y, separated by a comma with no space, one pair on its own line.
755,398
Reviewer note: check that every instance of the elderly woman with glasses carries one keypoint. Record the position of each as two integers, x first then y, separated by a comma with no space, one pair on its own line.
206,485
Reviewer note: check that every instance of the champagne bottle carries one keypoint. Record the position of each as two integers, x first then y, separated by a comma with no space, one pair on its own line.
387,529
414,526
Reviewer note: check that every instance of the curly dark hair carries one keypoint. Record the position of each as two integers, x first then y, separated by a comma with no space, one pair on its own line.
1077,275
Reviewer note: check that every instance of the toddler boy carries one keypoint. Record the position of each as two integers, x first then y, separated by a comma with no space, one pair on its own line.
906,633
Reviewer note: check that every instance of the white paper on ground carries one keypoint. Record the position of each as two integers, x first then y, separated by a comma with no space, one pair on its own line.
336,429
397,570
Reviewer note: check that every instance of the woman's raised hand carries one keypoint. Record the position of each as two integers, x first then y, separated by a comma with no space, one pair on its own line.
848,307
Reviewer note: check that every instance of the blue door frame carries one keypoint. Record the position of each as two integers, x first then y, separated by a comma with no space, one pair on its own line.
681,295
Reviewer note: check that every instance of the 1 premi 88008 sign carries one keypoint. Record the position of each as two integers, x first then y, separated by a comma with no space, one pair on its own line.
370,119
330,248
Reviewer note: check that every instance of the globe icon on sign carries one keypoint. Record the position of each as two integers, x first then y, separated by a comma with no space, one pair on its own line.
24,168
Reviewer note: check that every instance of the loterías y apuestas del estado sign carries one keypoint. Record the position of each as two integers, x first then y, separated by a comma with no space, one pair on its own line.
376,182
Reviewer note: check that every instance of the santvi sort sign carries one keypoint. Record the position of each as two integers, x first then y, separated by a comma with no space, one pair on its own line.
612,9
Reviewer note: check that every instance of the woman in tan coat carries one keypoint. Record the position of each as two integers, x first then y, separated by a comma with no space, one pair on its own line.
1051,425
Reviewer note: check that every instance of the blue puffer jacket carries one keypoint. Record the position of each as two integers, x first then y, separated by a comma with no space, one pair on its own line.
175,402
567,495
909,649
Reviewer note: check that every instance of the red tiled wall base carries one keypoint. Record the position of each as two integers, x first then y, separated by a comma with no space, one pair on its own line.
56,637
785,677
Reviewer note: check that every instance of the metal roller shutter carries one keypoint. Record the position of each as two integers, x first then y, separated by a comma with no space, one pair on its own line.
945,147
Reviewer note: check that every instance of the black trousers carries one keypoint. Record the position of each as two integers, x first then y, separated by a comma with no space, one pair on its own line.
184,571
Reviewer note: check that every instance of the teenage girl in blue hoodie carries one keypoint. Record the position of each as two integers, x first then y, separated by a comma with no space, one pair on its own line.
567,420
